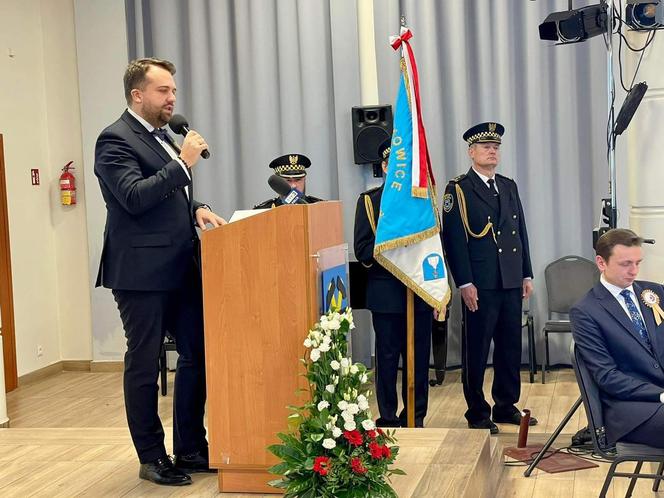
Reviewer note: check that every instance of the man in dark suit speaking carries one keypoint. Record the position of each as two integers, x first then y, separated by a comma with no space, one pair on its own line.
618,329
150,261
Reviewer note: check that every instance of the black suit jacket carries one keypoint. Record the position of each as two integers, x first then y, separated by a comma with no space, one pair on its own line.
385,293
629,376
502,263
150,238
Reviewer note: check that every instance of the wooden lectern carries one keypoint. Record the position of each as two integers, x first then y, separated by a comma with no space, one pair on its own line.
260,299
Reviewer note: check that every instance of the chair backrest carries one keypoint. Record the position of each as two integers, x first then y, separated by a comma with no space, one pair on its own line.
592,403
567,280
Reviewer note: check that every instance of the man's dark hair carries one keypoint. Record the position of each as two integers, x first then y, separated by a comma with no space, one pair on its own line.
614,237
134,76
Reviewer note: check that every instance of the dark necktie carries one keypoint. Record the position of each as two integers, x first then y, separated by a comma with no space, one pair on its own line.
635,316
492,186
163,135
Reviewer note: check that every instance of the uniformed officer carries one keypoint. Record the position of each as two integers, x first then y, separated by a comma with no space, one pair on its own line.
293,169
486,243
386,299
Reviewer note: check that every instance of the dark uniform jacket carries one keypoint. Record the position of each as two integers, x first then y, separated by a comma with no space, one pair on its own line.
500,259
277,201
385,293
149,239
629,375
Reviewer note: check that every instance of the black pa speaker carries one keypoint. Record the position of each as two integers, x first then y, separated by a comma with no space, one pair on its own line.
372,125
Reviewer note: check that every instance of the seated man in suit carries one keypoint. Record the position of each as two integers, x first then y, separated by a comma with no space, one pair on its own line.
293,169
618,329
386,299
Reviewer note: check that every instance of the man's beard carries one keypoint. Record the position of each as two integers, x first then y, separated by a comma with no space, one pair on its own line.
158,115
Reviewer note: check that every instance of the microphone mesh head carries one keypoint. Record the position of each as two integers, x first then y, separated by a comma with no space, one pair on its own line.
279,185
178,123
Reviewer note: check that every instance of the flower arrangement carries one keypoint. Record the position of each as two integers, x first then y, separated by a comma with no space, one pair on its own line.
334,449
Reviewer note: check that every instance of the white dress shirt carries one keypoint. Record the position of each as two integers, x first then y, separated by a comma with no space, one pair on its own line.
167,147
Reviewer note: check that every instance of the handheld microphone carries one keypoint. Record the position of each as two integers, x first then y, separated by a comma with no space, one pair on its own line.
179,125
289,195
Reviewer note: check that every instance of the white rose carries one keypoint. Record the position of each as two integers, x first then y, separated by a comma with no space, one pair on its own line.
346,415
353,369
363,404
352,408
329,388
336,432
345,363
327,339
335,365
349,425
368,425
324,348
329,443
307,343
364,378
334,324
322,405
342,405
315,355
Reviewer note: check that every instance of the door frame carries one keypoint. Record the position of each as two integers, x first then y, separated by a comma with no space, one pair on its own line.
6,289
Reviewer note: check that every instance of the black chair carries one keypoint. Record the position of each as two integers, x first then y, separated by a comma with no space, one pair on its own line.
567,280
168,345
624,452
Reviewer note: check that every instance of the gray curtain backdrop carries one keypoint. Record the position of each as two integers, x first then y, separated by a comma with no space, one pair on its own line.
261,78
258,79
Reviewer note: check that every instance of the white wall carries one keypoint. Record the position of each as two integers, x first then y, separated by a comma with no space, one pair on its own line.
101,39
39,118
644,157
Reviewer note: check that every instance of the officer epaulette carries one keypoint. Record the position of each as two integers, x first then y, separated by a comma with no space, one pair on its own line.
457,179
504,177
371,190
266,204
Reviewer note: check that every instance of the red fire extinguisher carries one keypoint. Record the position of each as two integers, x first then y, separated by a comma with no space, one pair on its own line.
67,186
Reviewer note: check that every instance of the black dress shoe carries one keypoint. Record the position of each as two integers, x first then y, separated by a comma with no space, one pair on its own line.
484,424
193,462
385,423
162,471
514,419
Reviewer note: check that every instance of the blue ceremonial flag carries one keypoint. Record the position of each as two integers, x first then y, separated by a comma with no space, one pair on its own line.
408,242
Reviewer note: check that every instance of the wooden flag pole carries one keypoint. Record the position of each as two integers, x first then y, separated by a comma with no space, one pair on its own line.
410,357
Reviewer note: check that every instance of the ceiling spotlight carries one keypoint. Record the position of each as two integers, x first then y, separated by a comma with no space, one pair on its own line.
574,25
642,15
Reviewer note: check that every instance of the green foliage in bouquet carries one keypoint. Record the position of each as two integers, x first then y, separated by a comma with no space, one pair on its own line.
334,449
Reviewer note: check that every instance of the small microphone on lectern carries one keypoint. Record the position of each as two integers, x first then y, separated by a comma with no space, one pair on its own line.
288,194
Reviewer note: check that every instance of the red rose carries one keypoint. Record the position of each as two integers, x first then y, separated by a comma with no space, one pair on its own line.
380,431
387,453
376,450
356,465
353,437
372,434
321,465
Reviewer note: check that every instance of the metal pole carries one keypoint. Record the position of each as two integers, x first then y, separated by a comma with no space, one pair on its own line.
610,100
